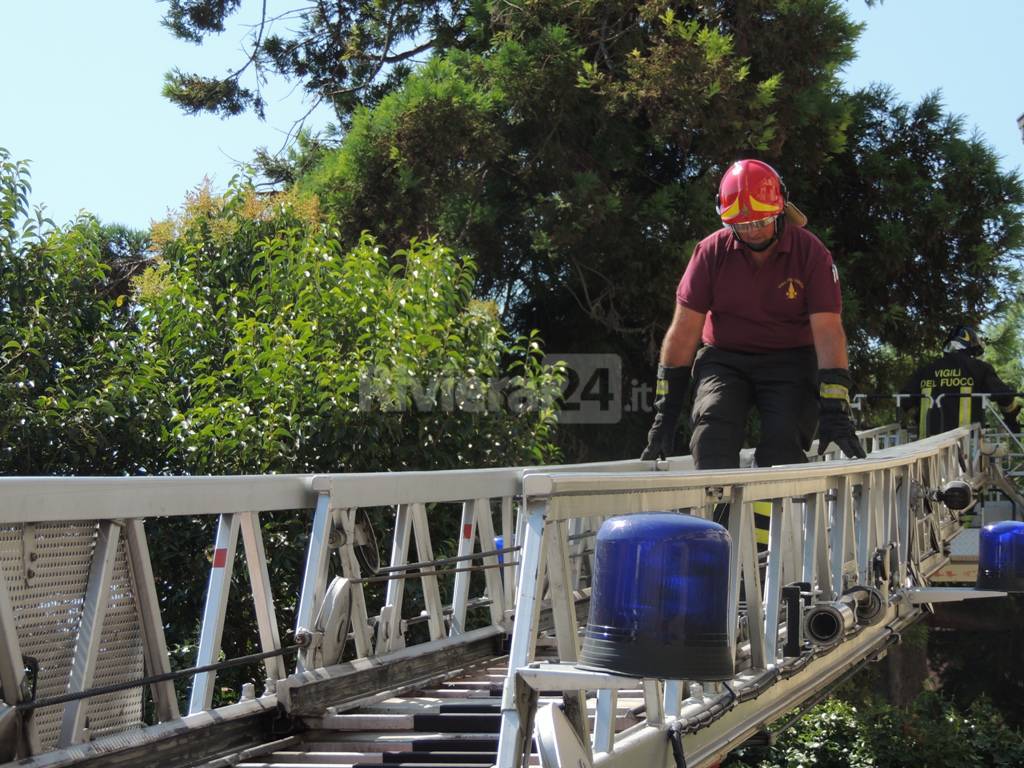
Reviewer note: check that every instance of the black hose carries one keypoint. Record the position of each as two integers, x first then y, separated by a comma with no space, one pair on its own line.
241,661
675,738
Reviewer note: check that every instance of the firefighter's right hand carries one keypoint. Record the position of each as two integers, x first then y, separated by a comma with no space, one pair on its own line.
671,394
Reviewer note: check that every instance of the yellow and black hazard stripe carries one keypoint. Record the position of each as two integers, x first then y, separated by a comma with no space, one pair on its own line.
762,523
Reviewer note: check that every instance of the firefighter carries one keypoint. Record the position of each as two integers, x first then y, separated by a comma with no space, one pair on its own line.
956,375
757,324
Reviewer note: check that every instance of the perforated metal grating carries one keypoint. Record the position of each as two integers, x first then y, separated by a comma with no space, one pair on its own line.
48,604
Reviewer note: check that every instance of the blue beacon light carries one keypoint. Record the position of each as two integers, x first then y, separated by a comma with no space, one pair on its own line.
1001,557
660,598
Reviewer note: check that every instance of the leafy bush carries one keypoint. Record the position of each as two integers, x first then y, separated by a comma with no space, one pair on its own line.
932,732
285,352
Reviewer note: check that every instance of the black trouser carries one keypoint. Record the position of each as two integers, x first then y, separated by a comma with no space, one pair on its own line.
783,387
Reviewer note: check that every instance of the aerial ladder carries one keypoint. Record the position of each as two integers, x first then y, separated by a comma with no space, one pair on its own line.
478,662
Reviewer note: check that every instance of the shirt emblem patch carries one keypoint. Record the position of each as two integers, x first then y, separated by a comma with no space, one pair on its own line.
791,284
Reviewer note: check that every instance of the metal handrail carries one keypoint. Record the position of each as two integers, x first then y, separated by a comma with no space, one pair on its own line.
829,523
119,508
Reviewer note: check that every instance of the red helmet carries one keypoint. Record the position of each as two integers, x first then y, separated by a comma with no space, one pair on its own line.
750,191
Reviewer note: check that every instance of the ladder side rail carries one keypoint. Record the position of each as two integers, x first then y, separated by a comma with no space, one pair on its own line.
360,621
865,511
563,610
90,629
654,701
838,534
44,499
903,523
314,575
262,594
760,654
604,719
522,516
886,530
389,621
577,545
815,563
773,580
792,539
157,660
212,628
495,591
516,728
932,520
735,569
432,604
508,537
674,692
460,588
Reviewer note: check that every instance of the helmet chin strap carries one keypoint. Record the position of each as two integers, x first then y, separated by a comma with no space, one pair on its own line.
780,225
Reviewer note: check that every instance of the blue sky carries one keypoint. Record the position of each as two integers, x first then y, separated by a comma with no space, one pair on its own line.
80,94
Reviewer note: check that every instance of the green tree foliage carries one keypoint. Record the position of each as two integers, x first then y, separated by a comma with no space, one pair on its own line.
246,338
1005,344
585,147
585,144
575,149
282,351
925,227
976,651
344,53
62,323
578,156
930,732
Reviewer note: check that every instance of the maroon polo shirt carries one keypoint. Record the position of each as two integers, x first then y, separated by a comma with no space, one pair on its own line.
760,309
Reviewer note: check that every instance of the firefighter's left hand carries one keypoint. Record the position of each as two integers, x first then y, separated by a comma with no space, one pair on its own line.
835,422
836,426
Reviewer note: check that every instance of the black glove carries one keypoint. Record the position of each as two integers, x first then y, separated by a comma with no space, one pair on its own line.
670,399
835,422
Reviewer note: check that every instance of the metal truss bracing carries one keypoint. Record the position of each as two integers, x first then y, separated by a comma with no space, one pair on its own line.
865,534
80,622
79,608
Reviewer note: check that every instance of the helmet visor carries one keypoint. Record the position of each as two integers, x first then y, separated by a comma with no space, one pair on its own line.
752,227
